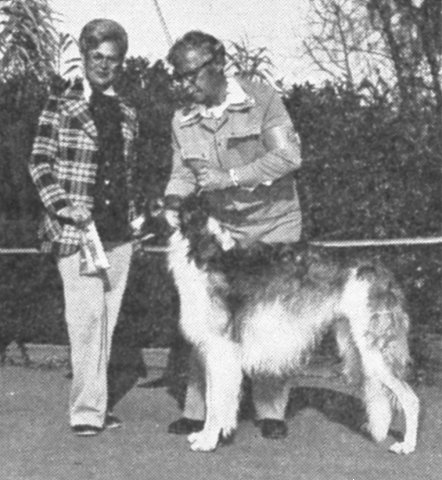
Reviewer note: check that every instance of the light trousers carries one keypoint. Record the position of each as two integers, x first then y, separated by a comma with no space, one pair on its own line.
92,305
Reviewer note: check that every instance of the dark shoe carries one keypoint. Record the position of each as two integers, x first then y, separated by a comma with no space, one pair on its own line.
86,430
271,428
184,426
112,421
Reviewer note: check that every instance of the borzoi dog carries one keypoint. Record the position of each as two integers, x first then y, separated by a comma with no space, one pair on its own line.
261,310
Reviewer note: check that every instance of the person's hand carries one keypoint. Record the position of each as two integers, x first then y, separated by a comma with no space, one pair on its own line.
79,214
172,218
212,178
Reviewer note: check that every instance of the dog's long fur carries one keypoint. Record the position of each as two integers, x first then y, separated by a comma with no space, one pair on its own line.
261,311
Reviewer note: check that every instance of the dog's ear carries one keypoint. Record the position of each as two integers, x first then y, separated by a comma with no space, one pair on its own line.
193,213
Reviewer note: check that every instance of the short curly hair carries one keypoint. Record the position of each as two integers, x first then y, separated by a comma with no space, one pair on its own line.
198,40
102,30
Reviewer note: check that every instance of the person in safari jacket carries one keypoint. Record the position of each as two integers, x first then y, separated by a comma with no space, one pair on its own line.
81,164
235,141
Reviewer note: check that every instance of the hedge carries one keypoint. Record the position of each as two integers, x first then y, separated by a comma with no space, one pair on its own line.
370,171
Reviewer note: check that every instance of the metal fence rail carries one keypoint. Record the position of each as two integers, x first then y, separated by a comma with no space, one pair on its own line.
316,243
15,251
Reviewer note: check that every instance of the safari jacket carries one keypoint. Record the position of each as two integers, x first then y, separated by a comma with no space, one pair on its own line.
62,164
268,209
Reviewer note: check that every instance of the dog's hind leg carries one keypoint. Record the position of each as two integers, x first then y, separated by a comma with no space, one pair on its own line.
379,327
378,406
380,378
223,386
410,405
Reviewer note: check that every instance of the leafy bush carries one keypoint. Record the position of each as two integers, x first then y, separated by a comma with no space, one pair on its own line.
369,172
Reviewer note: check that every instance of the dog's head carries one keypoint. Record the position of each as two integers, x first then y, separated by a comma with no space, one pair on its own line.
206,236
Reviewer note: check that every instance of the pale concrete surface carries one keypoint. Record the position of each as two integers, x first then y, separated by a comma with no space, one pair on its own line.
323,441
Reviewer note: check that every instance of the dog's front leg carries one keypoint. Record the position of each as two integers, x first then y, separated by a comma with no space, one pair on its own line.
223,384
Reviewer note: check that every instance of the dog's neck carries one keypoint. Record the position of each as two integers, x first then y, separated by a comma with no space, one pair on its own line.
178,255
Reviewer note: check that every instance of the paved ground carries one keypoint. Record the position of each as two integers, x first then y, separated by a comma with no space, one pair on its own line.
324,442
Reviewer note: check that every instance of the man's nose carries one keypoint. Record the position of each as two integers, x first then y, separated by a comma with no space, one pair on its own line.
105,62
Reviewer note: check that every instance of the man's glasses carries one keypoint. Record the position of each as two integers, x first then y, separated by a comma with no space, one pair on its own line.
192,75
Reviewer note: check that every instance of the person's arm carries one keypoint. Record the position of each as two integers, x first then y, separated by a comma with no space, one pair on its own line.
283,154
182,183
182,180
41,167
282,144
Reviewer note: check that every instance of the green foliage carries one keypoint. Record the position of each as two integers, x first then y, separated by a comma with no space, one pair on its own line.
149,89
369,172
249,62
62,66
28,39
372,172
19,110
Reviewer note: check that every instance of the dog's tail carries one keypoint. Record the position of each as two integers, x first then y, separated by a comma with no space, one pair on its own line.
380,321
377,329
389,323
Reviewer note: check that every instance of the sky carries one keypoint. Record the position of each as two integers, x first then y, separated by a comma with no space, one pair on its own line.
279,25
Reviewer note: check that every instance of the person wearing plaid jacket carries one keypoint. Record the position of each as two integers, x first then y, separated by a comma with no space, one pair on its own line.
81,164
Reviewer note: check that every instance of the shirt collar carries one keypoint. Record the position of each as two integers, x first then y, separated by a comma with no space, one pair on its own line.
235,95
87,91
236,99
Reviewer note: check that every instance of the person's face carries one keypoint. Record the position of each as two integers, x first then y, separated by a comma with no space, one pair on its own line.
202,78
102,64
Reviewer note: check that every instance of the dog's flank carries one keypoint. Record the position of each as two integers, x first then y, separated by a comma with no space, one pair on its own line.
261,310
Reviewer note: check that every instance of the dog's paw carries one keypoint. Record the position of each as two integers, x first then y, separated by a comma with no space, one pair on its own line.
204,441
402,448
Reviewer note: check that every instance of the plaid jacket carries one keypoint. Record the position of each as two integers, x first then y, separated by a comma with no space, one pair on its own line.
62,165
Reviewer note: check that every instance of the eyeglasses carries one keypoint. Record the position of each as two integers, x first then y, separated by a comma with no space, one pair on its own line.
97,58
192,75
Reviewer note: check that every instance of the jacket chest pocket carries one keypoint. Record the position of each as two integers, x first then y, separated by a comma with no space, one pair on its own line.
246,143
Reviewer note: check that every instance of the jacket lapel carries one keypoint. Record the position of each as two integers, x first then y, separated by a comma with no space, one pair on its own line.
129,131
128,125
78,110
